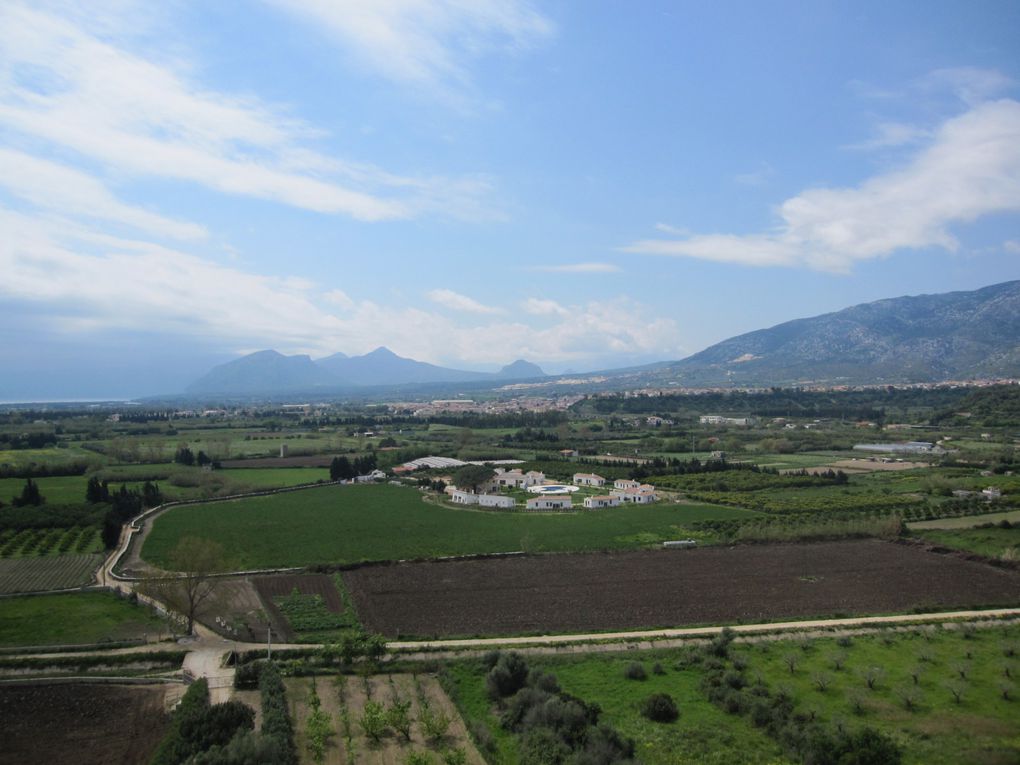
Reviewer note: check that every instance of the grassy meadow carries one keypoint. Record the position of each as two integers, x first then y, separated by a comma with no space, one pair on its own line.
72,619
348,524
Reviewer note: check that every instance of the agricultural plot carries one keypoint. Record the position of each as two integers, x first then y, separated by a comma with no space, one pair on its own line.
702,734
49,541
944,696
81,724
668,588
74,619
309,607
57,572
360,724
349,524
996,542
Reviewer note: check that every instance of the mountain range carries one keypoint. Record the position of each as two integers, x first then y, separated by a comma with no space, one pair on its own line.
269,371
924,338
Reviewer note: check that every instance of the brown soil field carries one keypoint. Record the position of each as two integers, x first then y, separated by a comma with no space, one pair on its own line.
669,588
270,587
81,724
237,602
310,460
391,749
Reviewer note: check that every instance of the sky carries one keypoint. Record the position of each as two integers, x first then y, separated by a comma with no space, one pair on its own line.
584,185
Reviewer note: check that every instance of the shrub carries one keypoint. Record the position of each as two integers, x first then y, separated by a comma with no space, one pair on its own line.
507,676
635,671
246,678
660,707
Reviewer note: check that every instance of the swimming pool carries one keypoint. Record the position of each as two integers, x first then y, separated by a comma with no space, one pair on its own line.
552,488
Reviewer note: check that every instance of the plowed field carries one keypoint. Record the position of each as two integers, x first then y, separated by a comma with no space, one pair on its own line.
669,588
81,724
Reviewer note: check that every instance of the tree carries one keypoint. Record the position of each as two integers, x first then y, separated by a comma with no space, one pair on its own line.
340,469
472,476
184,456
29,495
97,491
660,707
198,561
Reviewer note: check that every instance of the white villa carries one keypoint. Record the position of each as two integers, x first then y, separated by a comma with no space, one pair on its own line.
484,500
588,479
550,502
515,479
626,483
606,500
642,495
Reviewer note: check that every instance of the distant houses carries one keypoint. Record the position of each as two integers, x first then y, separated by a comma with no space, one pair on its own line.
716,419
550,502
642,494
515,479
588,479
597,503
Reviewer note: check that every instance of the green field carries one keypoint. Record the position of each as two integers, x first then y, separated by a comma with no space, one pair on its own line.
73,619
175,481
968,521
702,734
347,524
933,729
992,543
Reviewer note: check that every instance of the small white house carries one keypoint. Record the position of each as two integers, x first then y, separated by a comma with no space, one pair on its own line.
588,479
515,479
992,492
625,483
596,503
642,495
464,497
496,500
551,502
375,475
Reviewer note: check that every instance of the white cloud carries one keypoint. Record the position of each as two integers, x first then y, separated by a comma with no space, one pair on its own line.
757,177
458,302
970,169
62,84
1012,246
580,268
62,189
541,307
423,42
86,282
972,85
892,134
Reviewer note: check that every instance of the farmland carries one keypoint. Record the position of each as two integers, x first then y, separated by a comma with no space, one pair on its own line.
905,684
348,524
47,573
995,542
344,700
634,589
73,619
310,607
83,724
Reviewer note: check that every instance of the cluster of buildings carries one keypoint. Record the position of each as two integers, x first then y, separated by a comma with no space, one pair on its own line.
623,491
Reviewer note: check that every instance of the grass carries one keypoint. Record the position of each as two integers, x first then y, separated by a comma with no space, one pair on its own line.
967,521
349,524
992,543
983,727
79,618
702,734
64,490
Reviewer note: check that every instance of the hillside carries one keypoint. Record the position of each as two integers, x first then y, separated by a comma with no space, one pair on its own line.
926,338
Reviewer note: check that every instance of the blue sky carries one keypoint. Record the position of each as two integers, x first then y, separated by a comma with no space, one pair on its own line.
584,185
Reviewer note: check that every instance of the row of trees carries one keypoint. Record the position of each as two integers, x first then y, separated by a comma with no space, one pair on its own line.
344,469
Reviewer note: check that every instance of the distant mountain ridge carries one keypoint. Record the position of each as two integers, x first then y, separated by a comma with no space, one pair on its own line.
923,338
267,372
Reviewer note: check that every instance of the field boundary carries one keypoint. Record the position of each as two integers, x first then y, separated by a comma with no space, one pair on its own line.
138,524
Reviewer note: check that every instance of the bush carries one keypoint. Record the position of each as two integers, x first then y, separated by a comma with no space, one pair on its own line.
507,676
635,671
660,707
246,677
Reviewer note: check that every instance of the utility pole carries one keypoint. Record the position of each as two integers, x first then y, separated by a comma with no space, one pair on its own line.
269,643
